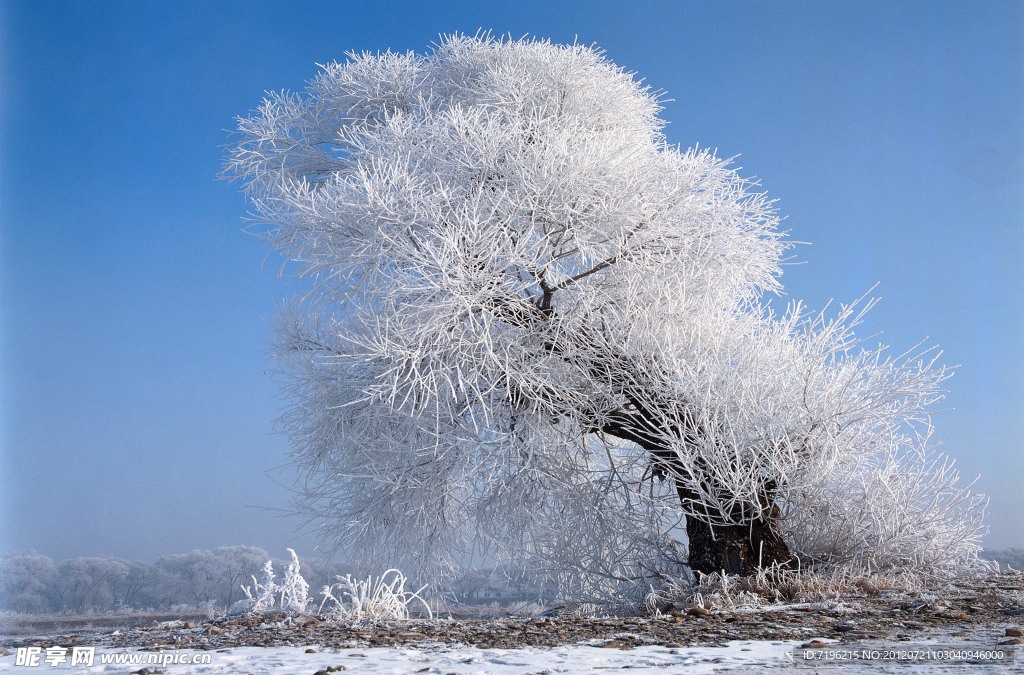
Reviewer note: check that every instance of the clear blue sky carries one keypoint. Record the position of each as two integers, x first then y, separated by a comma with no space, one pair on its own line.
137,405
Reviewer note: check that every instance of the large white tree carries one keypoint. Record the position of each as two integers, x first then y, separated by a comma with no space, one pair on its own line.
532,326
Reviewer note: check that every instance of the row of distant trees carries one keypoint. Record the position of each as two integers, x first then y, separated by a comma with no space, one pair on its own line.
34,584
1007,558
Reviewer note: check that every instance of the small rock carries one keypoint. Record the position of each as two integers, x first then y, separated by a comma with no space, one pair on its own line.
697,611
1010,641
213,630
310,650
1014,632
814,644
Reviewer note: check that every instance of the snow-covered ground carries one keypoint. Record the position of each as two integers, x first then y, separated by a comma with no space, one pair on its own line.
736,656
743,655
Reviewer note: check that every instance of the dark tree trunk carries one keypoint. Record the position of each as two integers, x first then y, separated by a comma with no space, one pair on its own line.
735,549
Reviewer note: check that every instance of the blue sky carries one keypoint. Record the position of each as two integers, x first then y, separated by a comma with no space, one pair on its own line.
137,405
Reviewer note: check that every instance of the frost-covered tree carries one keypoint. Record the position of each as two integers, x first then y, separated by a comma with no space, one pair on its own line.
26,583
531,325
202,577
91,583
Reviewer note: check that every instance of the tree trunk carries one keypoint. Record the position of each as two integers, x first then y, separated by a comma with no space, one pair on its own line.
735,549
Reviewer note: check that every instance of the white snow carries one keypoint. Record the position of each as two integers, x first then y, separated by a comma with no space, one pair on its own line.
741,655
744,656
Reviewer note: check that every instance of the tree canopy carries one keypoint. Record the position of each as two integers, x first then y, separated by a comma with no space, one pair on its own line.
534,328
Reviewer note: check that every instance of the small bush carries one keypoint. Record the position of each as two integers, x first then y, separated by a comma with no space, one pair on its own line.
291,595
383,598
379,599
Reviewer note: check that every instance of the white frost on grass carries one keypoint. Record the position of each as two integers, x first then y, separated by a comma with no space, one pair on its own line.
382,598
291,595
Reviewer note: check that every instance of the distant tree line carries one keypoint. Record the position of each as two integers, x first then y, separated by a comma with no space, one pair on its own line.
1007,558
34,584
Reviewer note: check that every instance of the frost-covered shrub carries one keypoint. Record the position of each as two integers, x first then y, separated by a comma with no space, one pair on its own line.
897,512
290,595
380,599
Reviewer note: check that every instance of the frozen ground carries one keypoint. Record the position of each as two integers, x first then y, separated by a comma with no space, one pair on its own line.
736,656
977,617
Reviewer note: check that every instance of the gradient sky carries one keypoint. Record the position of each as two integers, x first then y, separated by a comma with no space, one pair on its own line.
137,399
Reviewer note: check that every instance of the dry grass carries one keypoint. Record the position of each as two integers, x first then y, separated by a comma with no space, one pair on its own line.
780,586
